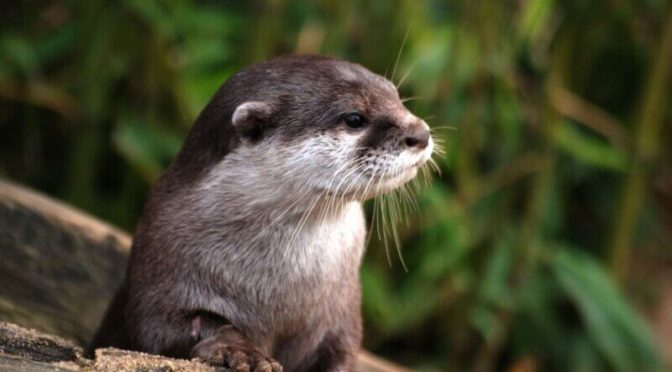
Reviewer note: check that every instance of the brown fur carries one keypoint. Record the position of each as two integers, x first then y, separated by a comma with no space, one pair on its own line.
200,283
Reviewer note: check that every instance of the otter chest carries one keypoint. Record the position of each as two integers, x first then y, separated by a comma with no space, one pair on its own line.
323,252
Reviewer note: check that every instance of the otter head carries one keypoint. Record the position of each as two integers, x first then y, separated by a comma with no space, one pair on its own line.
320,125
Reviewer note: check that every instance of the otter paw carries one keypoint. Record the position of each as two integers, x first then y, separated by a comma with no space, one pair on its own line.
237,358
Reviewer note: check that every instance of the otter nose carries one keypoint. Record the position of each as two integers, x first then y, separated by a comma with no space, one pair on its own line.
419,138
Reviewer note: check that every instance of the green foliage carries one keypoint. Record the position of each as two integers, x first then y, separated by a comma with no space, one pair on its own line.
612,326
525,252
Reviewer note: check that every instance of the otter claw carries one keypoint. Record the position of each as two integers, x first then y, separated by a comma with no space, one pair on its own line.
238,359
268,365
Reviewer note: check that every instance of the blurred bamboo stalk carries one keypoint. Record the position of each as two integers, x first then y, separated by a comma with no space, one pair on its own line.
264,36
646,150
97,28
594,117
41,94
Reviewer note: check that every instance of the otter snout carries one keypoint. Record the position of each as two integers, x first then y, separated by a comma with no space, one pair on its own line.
417,136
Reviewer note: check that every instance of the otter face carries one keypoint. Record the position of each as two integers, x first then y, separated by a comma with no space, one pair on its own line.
385,145
336,129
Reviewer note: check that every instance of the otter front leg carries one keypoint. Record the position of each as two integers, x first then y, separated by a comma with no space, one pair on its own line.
229,348
336,353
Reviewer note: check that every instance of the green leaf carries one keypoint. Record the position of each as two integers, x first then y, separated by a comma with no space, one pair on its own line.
534,18
147,148
486,322
587,149
20,53
494,286
613,326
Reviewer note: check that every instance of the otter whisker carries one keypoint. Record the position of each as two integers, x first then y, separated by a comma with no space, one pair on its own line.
384,218
438,149
394,197
444,127
337,200
403,78
325,206
302,221
334,201
411,98
304,217
393,228
432,163
302,192
425,175
409,200
418,184
354,169
278,218
366,189
401,49
383,222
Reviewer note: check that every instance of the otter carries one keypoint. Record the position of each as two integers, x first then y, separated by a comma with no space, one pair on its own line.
248,250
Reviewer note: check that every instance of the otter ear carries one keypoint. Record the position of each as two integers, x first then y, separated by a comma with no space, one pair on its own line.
249,117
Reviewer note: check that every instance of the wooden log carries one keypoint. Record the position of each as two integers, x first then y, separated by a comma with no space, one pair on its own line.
28,350
59,267
59,270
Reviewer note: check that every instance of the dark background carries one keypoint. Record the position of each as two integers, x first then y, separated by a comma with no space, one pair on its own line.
543,245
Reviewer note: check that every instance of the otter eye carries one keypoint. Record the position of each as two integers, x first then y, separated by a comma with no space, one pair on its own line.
355,121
